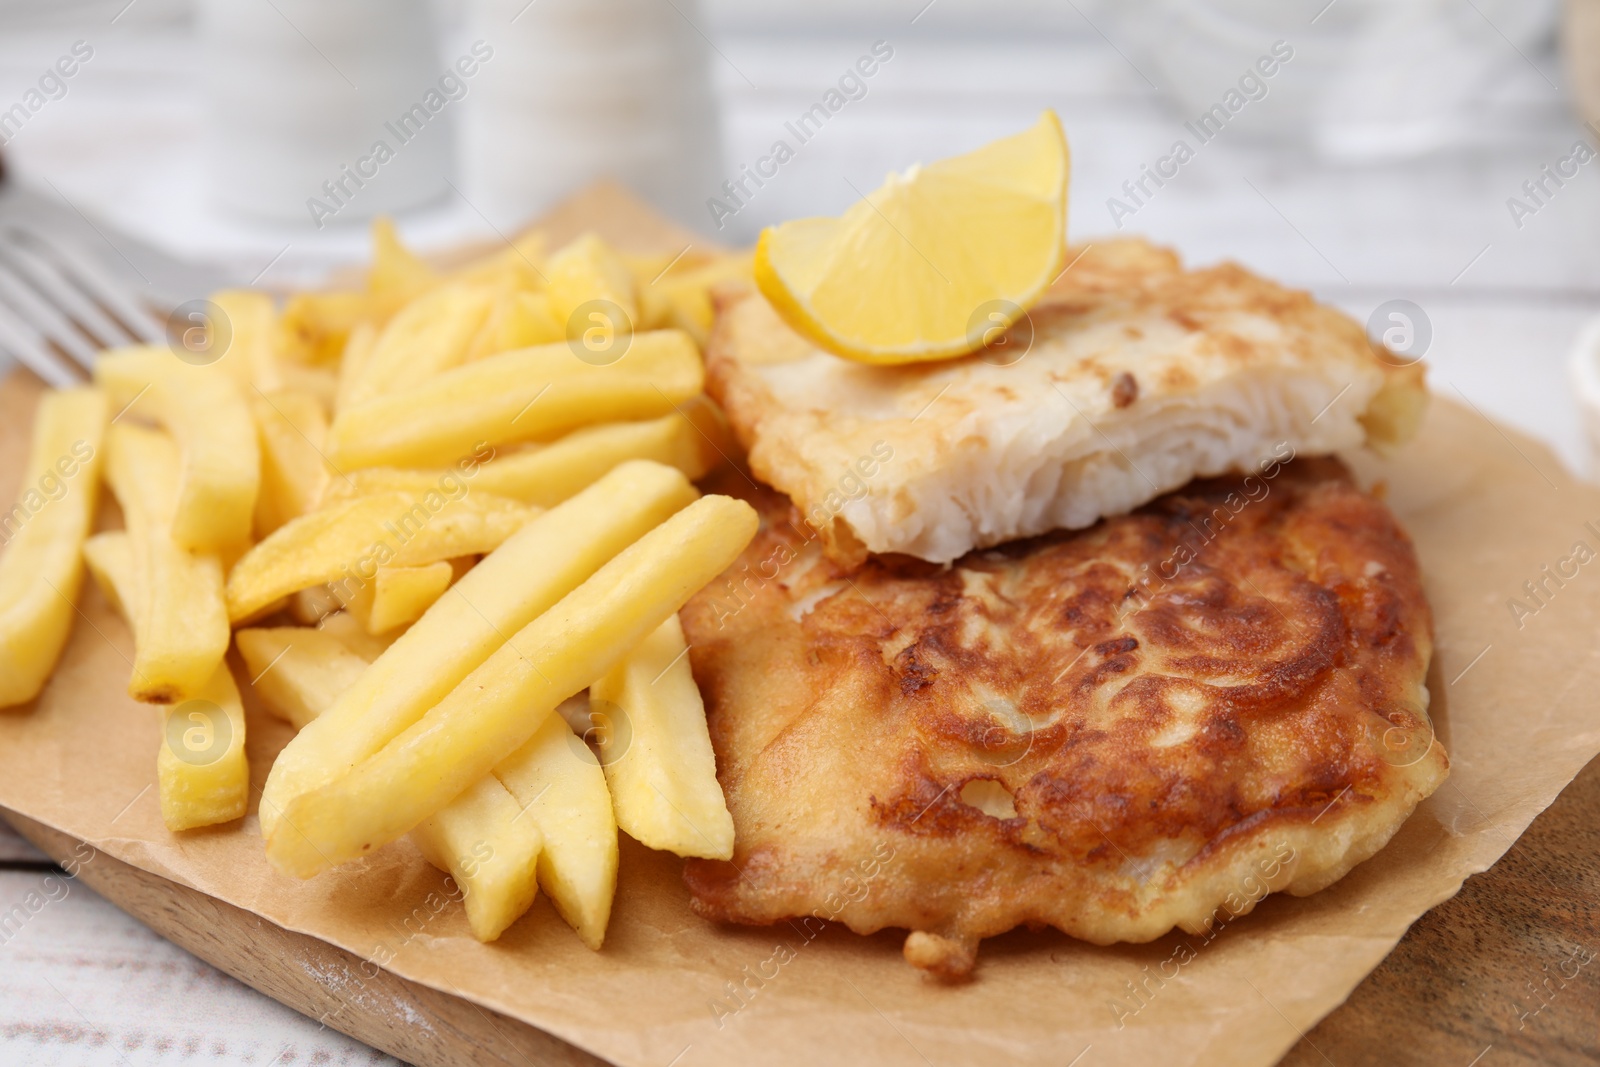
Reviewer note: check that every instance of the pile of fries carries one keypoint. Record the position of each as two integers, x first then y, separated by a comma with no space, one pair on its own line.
430,513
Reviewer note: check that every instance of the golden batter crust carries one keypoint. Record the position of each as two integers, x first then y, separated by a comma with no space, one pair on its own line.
1147,724
1127,359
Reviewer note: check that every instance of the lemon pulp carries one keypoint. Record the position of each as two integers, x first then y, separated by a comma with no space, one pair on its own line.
931,264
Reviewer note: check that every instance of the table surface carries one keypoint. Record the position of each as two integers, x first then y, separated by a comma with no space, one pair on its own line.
84,984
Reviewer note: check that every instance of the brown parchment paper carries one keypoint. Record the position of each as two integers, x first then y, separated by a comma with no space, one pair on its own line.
1514,702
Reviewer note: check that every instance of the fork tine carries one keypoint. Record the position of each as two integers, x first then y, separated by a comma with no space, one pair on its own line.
31,351
48,279
24,301
99,285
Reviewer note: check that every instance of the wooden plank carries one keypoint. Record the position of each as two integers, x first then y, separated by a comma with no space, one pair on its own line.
1495,972
90,985
17,851
338,988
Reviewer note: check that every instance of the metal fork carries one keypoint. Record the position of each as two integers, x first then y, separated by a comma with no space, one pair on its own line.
59,307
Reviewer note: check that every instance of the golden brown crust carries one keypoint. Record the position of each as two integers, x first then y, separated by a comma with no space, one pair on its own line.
1182,368
1112,732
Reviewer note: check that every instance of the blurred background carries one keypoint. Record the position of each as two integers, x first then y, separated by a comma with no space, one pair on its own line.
1426,165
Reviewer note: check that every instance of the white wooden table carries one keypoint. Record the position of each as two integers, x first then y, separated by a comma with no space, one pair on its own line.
83,984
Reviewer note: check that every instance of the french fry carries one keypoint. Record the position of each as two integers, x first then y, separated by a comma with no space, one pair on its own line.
520,266
310,606
588,269
493,849
125,373
347,541
500,705
356,351
519,319
692,439
347,629
428,335
397,275
545,475
557,781
646,268
180,624
205,411
482,838
291,429
397,596
41,568
529,394
321,383
261,354
110,559
318,606
251,356
221,460
315,327
299,671
681,299
656,750
545,561
201,772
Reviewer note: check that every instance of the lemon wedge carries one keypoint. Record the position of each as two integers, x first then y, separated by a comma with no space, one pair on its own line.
935,263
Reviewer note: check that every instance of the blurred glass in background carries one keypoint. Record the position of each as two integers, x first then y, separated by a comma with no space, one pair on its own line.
320,109
340,110
1374,79
229,129
585,89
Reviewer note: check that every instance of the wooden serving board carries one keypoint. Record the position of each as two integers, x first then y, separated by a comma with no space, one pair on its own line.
1461,979
1478,980
284,965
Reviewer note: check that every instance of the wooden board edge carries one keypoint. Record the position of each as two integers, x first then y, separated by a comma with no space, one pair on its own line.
412,1022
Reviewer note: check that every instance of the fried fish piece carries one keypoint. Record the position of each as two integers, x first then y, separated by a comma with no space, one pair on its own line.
1151,723
1129,378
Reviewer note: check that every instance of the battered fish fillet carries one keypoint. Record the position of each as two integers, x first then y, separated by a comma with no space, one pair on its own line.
1147,724
1138,377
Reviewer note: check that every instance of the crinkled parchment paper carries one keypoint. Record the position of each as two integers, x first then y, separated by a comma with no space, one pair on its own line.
1514,703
